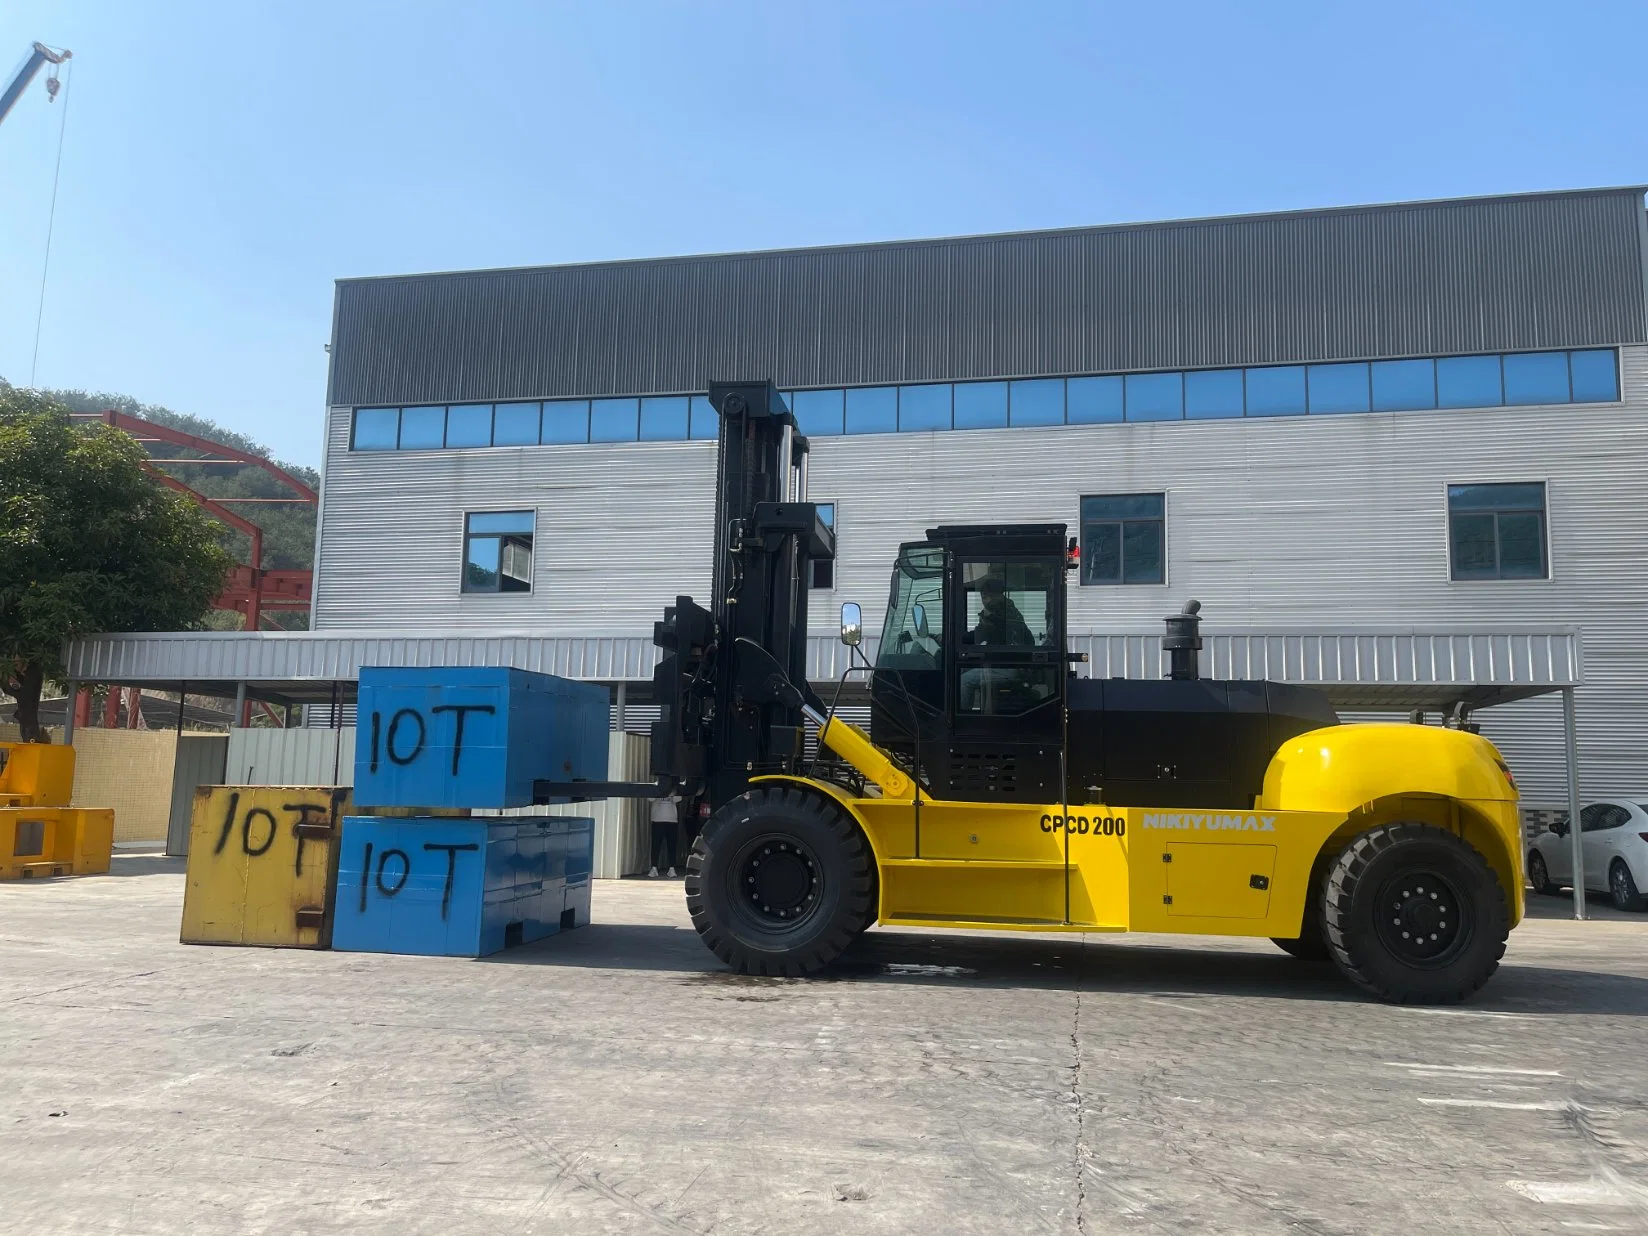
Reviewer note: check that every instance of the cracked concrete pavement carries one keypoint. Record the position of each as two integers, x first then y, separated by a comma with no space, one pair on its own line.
616,1079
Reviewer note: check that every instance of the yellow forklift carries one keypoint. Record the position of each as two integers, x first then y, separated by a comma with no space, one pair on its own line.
996,790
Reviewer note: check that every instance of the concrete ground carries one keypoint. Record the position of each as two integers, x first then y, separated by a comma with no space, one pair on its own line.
615,1079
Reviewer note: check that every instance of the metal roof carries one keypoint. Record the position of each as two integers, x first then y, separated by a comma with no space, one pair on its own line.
1526,271
1364,669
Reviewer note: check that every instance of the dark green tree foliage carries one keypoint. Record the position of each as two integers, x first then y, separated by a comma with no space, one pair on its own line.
88,543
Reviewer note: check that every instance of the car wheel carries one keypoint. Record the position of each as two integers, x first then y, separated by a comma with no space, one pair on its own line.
1622,889
1415,915
1539,875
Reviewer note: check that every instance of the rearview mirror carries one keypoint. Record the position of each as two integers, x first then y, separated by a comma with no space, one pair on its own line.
919,613
852,624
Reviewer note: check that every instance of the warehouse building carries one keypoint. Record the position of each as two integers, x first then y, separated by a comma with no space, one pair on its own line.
1427,421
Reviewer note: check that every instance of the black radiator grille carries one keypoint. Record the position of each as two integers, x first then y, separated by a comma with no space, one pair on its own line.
988,774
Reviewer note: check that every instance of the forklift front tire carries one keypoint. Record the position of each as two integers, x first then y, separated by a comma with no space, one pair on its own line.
1414,915
779,882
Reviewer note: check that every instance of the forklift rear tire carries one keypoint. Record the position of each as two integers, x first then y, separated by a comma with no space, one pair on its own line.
780,882
1415,915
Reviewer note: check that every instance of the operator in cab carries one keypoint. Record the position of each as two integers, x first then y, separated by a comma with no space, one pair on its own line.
999,620
999,625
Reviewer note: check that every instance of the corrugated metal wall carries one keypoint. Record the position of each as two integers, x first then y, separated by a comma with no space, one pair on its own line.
1475,275
200,761
1324,522
291,757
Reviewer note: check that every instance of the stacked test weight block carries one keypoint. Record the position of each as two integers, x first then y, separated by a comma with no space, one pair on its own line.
465,738
263,864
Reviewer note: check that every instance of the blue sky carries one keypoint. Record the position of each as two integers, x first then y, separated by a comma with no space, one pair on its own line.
225,162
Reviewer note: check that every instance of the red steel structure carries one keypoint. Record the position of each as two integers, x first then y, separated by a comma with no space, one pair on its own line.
250,589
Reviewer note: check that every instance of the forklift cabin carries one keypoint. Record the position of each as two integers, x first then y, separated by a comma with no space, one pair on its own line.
971,678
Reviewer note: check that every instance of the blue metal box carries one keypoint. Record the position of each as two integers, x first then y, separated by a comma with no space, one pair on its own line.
473,737
459,888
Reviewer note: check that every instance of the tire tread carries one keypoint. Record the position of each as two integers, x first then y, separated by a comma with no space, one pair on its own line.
859,892
1343,879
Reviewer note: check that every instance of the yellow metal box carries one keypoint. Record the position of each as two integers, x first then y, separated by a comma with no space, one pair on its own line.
54,841
263,864
34,774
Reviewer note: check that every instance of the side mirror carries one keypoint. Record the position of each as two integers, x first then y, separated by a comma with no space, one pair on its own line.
1560,828
919,613
852,624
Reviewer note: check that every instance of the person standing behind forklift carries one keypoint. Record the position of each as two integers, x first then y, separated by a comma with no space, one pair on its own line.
665,827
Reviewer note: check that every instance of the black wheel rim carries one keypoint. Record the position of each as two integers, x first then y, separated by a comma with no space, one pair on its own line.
777,882
1537,873
1621,893
1421,919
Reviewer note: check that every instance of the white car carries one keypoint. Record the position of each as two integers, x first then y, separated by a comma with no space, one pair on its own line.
1614,839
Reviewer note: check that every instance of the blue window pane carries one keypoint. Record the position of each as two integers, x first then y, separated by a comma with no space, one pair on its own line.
1123,506
469,424
1596,377
924,407
1278,390
981,405
1155,396
1142,553
376,429
1094,401
1468,382
1399,386
1037,402
423,429
1536,377
1213,393
818,413
664,419
566,420
613,420
826,514
501,521
515,424
1496,497
1338,388
706,425
481,555
872,410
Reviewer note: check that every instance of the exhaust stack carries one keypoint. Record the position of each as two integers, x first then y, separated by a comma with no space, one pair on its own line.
1183,642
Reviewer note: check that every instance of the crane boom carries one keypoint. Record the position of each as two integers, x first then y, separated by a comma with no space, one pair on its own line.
38,55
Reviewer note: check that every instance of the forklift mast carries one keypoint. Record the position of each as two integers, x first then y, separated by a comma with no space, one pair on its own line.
725,715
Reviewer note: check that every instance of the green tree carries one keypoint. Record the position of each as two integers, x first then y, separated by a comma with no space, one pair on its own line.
88,543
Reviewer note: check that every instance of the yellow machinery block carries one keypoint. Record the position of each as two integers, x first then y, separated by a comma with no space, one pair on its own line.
38,842
34,774
263,864
93,838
